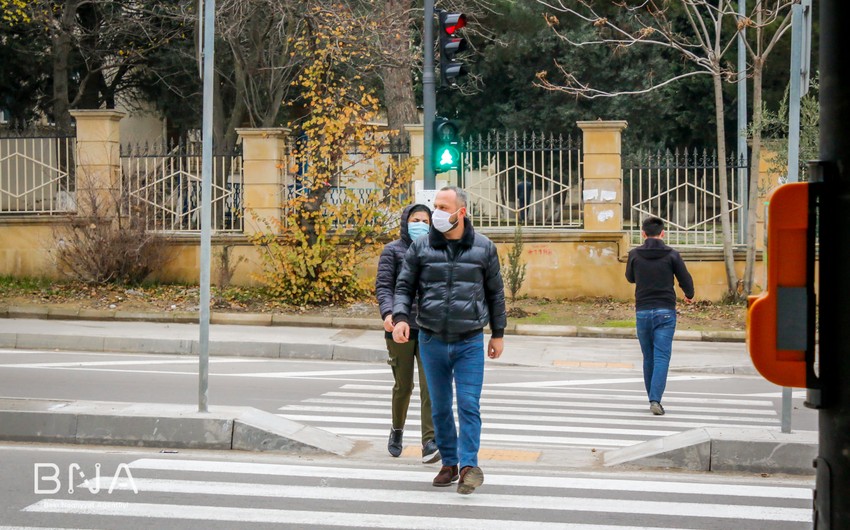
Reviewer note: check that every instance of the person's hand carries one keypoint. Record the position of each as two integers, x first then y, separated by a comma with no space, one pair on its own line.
388,323
689,300
495,348
401,332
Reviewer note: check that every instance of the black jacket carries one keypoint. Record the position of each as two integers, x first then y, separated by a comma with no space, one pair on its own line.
389,267
651,267
458,292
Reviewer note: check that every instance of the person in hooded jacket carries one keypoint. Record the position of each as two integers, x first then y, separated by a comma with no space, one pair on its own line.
415,222
652,267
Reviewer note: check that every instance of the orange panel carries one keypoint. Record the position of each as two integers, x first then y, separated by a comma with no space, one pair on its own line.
788,215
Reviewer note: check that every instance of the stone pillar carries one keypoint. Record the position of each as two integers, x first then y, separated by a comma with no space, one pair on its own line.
98,164
264,174
602,194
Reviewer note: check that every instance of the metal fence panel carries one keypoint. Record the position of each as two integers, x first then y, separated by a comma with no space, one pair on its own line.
683,189
530,180
37,174
163,188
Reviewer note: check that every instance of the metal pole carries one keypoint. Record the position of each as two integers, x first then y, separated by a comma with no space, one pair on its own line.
206,203
794,93
786,409
429,95
832,511
742,122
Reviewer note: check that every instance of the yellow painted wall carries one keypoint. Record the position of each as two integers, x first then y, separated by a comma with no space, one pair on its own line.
561,265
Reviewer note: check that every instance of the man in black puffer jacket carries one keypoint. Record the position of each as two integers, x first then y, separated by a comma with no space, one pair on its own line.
415,223
454,275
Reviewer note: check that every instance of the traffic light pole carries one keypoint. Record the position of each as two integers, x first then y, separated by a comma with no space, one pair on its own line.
429,95
832,511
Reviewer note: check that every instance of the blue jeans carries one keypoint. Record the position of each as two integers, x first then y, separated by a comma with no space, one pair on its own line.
655,328
455,363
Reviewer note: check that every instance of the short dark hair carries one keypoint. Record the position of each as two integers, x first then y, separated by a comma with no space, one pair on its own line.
652,226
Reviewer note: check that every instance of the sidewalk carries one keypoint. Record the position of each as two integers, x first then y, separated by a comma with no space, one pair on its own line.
352,339
262,335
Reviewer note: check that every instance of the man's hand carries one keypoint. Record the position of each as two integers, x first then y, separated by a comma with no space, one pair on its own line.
494,348
689,300
401,332
388,323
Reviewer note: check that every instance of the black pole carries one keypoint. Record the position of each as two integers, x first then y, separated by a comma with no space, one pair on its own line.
832,509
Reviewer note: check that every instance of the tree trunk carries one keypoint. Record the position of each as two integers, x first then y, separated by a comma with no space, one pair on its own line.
61,103
755,159
725,220
397,78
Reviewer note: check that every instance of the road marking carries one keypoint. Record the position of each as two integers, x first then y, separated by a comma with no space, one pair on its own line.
489,500
572,411
84,364
542,481
578,404
292,517
566,417
583,382
315,373
606,397
489,425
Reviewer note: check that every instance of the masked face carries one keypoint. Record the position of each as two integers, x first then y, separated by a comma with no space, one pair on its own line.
417,229
442,220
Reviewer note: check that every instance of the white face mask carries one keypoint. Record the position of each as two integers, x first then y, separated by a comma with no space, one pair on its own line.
440,220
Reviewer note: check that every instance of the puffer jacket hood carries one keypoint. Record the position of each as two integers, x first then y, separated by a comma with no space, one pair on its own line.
390,262
405,214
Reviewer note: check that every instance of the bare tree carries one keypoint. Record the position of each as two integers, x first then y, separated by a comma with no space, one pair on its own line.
698,32
765,20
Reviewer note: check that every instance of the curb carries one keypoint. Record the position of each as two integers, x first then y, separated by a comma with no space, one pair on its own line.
277,319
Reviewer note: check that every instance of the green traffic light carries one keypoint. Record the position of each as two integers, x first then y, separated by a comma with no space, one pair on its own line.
446,158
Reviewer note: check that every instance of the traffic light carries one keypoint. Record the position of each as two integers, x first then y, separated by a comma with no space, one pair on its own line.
780,321
446,145
451,44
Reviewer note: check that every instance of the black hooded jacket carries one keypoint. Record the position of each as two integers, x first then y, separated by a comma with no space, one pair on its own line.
389,267
651,267
459,287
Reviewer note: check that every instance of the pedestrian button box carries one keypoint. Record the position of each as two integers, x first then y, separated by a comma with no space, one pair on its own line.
778,319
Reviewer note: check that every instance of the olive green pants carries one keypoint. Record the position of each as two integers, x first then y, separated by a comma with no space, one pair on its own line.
401,359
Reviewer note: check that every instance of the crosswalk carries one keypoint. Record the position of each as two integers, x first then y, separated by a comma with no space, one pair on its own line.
187,493
544,415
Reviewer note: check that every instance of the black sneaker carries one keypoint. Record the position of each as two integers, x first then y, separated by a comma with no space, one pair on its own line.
394,443
430,452
656,408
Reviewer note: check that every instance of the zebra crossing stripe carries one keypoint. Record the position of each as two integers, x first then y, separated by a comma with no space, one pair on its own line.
292,517
491,425
727,418
581,395
439,498
542,481
566,417
544,403
599,443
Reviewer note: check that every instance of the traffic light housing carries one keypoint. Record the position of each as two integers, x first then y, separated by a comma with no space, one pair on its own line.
446,145
450,44
780,321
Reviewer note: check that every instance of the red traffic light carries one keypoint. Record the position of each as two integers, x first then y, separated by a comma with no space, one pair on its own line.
451,22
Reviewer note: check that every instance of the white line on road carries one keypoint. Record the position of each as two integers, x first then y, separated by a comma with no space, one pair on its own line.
522,502
376,474
583,382
292,517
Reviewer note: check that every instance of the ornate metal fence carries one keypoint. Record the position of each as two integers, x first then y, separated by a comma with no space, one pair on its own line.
162,186
683,189
529,180
37,173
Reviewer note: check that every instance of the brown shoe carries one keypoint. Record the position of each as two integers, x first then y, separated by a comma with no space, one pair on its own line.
446,476
470,478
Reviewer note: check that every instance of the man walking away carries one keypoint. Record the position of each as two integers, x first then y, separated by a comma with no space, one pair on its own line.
651,267
454,273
